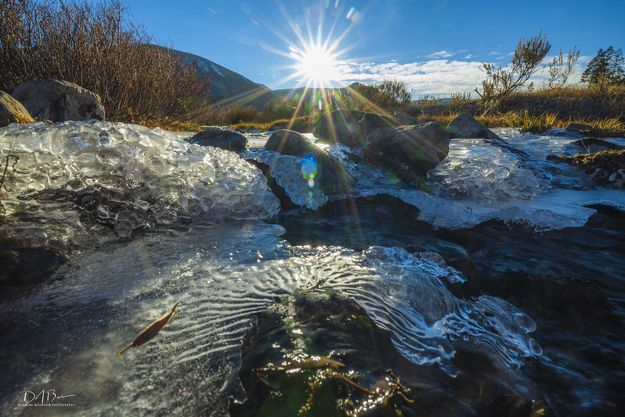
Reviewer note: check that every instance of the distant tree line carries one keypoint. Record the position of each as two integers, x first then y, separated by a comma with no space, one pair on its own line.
97,46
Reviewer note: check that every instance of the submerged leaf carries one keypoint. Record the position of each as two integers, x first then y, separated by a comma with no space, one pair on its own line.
151,331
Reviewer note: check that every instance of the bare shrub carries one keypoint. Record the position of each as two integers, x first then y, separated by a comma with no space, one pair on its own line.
560,69
239,114
280,108
502,81
397,91
98,47
221,115
387,94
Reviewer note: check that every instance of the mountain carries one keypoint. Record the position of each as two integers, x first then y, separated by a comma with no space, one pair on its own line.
227,87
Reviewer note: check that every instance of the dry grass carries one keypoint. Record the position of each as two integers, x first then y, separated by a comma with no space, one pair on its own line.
23,118
299,124
220,115
589,103
536,111
523,120
569,103
171,124
603,127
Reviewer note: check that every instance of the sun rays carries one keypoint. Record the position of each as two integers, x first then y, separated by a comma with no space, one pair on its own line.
317,64
315,44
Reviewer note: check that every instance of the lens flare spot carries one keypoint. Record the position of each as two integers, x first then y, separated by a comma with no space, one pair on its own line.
309,170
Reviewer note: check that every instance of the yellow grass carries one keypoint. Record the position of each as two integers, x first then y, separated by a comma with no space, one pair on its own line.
170,124
23,118
609,126
300,124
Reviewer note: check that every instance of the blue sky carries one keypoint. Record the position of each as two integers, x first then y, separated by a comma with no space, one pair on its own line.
435,46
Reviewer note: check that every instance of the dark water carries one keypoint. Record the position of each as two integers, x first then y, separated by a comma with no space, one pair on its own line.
570,281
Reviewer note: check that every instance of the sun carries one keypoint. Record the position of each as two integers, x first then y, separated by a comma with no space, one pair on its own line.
318,65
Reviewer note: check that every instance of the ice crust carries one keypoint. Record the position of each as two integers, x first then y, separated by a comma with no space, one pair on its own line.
478,181
126,176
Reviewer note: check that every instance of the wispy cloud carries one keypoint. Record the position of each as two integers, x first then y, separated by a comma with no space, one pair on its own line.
440,54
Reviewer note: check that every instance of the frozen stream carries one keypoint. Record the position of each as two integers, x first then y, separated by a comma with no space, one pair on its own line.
147,220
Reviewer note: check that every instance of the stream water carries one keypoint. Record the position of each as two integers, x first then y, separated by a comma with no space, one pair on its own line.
509,256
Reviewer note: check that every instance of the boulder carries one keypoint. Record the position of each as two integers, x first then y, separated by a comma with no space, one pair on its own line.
330,174
220,138
12,111
579,127
592,145
349,127
59,101
408,151
290,142
465,126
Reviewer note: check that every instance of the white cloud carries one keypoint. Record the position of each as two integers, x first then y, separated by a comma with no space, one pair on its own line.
440,54
435,76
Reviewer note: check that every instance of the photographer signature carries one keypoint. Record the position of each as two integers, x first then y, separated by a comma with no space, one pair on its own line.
45,398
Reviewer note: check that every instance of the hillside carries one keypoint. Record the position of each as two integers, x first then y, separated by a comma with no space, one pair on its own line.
229,87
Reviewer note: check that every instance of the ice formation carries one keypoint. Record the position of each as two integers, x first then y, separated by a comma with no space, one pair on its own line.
286,170
127,176
478,181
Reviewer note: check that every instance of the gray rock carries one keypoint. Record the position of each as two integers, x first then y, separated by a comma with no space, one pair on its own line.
290,142
12,111
465,126
220,138
592,145
331,174
409,151
349,127
59,101
579,127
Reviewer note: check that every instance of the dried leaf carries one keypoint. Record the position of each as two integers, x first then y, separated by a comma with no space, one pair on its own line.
151,331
